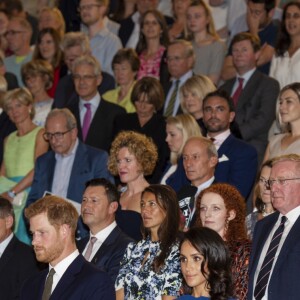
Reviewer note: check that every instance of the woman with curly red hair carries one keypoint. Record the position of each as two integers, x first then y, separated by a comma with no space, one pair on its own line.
222,208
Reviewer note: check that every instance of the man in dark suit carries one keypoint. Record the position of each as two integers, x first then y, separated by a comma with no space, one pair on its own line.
95,116
277,237
200,158
17,261
237,160
254,93
106,244
180,62
74,45
53,224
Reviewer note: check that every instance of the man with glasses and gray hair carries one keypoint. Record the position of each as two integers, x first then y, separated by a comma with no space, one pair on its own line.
65,170
275,261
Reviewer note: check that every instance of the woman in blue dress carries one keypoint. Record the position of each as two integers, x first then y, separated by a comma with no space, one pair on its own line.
205,265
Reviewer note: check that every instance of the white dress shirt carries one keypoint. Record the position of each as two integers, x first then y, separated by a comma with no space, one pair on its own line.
246,78
5,243
220,138
95,101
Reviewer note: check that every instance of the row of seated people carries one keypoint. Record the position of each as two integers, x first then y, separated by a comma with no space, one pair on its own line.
209,260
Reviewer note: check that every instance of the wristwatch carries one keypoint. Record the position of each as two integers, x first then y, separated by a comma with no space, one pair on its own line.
11,194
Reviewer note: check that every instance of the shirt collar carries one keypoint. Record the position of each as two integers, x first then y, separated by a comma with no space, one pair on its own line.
104,233
62,266
71,152
4,244
184,77
292,215
246,76
204,185
220,138
95,101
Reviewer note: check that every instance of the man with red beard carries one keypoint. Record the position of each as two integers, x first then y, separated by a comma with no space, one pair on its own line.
53,224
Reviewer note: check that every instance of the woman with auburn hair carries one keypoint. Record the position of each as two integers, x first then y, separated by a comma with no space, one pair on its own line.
209,49
192,93
132,157
222,208
205,265
179,129
150,268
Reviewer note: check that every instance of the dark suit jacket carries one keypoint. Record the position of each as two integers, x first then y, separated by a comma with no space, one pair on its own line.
110,253
255,110
240,168
65,89
89,163
17,264
80,281
284,281
100,134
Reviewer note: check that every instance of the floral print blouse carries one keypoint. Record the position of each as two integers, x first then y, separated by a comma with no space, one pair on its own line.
141,282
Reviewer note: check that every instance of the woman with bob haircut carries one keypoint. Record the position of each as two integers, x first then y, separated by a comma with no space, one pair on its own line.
150,268
222,208
205,265
132,157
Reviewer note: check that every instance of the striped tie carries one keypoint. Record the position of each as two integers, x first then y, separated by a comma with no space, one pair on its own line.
264,273
170,107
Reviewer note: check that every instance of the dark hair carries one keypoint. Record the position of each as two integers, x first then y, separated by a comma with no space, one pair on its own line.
246,36
168,231
284,40
110,189
11,5
222,94
295,87
164,38
217,259
233,200
58,55
127,54
269,4
150,87
6,208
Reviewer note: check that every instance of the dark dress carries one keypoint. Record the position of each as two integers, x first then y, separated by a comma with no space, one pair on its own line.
155,128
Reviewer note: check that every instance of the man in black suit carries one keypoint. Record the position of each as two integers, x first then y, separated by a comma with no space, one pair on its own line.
95,116
74,45
106,244
17,261
53,223
254,93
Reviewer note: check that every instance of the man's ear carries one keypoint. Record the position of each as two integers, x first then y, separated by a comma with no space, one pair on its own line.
231,116
113,207
9,222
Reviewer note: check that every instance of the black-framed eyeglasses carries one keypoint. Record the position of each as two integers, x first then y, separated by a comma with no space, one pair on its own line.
57,135
280,181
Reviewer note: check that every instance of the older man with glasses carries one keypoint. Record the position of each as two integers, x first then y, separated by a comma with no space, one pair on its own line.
64,170
275,260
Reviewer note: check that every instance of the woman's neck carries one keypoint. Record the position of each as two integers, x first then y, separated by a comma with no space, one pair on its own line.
202,37
41,96
144,120
152,47
200,291
268,208
295,128
124,89
137,185
198,115
25,127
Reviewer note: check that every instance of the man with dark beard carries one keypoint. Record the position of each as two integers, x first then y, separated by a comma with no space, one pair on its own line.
53,224
237,160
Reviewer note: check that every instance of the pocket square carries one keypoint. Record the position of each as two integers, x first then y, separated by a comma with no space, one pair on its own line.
223,158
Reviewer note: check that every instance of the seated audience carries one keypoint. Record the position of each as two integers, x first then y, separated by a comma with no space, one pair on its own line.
21,148
132,156
38,77
222,208
178,129
150,268
205,265
125,65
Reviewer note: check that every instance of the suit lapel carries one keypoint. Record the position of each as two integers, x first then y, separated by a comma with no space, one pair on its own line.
225,146
8,252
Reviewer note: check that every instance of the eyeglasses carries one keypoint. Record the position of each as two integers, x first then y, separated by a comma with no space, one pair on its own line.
78,77
280,181
87,7
13,32
57,135
174,58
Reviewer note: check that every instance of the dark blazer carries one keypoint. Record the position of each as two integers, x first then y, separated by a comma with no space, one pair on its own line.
89,163
110,253
100,134
65,89
240,168
17,264
255,110
80,281
284,281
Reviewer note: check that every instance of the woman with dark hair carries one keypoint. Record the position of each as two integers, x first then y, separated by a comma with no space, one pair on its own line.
147,97
150,268
285,63
222,208
262,195
125,8
152,45
205,265
48,48
125,65
288,113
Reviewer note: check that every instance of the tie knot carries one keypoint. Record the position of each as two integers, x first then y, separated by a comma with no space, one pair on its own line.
87,105
177,83
240,80
93,240
51,272
283,220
